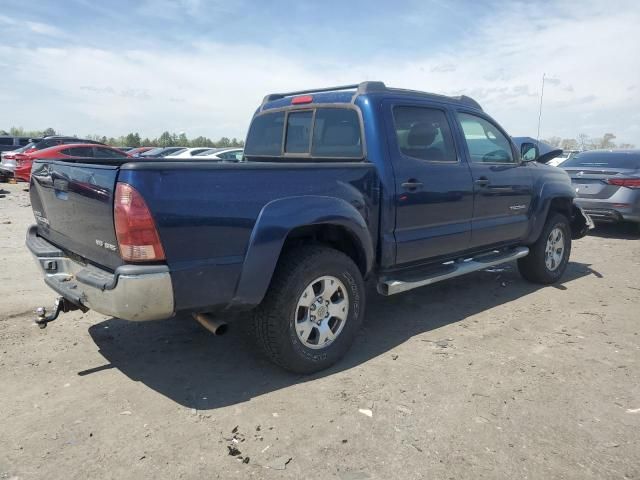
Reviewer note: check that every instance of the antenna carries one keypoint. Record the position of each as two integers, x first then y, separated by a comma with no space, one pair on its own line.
540,110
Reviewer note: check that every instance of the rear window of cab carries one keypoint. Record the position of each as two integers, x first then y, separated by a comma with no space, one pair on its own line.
322,133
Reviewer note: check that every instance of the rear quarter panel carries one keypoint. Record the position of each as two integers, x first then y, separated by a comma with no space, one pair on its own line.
206,213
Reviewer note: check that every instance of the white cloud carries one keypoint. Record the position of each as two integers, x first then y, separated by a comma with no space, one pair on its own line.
589,54
34,27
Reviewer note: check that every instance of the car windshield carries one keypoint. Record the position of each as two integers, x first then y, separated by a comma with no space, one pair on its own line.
171,151
152,153
626,160
209,151
26,147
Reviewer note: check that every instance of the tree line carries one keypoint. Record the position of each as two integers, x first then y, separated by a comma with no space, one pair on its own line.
168,139
584,142
133,139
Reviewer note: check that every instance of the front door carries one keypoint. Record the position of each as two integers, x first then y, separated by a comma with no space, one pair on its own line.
433,184
502,184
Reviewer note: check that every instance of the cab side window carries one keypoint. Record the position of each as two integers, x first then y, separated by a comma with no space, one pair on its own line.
485,141
424,133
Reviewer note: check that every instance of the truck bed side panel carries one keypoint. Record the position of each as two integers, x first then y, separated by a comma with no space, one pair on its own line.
205,213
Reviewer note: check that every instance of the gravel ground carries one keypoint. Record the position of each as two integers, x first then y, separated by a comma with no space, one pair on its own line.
486,376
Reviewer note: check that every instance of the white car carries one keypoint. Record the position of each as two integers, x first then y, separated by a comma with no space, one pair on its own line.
231,154
566,155
189,152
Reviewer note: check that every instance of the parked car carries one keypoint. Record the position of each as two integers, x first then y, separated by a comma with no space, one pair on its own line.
135,152
607,183
125,149
564,156
9,143
339,185
161,152
52,141
188,152
225,153
8,160
64,152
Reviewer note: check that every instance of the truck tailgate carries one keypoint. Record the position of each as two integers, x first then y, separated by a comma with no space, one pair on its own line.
73,206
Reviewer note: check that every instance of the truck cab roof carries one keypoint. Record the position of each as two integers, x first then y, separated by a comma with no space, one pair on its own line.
349,93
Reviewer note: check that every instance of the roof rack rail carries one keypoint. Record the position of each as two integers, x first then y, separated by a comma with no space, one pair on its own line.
363,87
468,100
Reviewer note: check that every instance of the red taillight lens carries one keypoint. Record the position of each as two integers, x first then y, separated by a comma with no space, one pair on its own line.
301,100
625,182
135,229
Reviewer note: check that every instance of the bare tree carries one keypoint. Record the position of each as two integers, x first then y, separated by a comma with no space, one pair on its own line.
553,141
606,141
569,144
583,141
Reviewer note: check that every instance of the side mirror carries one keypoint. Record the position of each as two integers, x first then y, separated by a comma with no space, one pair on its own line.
529,152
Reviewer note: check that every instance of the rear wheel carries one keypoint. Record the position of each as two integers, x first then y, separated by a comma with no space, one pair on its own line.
312,311
549,256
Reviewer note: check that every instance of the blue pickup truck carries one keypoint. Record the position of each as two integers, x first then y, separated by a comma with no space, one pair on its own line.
337,186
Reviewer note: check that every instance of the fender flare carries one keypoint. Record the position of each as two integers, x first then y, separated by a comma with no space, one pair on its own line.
274,223
547,193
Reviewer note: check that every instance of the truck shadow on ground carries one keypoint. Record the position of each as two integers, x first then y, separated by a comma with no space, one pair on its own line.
181,360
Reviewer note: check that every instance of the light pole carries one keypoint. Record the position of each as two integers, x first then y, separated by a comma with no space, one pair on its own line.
540,110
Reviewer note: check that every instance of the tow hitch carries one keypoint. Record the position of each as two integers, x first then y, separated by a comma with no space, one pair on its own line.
62,305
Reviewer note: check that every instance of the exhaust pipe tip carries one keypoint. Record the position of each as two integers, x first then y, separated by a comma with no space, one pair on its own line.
214,325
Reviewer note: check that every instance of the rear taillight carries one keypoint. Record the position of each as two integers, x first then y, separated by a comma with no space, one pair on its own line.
624,182
135,229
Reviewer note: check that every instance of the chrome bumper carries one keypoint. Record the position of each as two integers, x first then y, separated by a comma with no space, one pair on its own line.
132,292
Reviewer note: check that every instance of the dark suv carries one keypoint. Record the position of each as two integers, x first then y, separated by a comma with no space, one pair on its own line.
9,143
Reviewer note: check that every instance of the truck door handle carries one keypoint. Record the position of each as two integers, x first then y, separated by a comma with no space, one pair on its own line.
482,182
412,185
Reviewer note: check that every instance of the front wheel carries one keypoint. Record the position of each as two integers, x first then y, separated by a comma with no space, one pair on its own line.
549,256
312,311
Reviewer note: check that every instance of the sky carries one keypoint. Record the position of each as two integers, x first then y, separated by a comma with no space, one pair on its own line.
202,67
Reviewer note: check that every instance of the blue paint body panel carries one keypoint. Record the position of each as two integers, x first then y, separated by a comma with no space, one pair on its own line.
223,225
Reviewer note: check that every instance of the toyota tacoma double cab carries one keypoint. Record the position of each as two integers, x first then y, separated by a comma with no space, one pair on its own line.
337,186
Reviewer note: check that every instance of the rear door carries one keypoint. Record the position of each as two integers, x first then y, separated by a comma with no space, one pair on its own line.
502,184
434,193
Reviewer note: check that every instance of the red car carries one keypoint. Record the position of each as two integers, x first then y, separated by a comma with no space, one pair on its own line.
24,161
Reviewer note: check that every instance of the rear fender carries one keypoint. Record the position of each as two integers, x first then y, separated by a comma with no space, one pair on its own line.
270,232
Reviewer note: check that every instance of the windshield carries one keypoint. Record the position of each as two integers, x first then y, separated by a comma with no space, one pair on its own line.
626,160
152,153
26,147
209,151
171,151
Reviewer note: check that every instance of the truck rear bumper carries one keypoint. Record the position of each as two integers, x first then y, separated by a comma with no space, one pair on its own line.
132,292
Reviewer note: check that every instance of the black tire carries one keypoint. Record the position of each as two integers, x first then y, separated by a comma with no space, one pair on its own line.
273,323
534,267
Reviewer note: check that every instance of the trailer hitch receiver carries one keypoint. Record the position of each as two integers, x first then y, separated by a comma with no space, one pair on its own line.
62,305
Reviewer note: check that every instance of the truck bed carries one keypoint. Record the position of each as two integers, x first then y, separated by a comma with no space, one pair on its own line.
205,212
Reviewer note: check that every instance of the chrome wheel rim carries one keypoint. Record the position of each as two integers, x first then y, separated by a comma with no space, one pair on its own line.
321,312
554,251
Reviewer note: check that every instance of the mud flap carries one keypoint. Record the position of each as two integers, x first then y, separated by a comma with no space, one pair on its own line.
581,223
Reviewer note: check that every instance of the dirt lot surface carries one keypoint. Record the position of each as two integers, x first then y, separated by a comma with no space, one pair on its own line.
487,376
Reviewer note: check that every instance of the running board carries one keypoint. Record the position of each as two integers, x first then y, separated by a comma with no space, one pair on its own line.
409,281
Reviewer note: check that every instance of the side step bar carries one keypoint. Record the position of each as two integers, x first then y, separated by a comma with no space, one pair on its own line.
409,281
